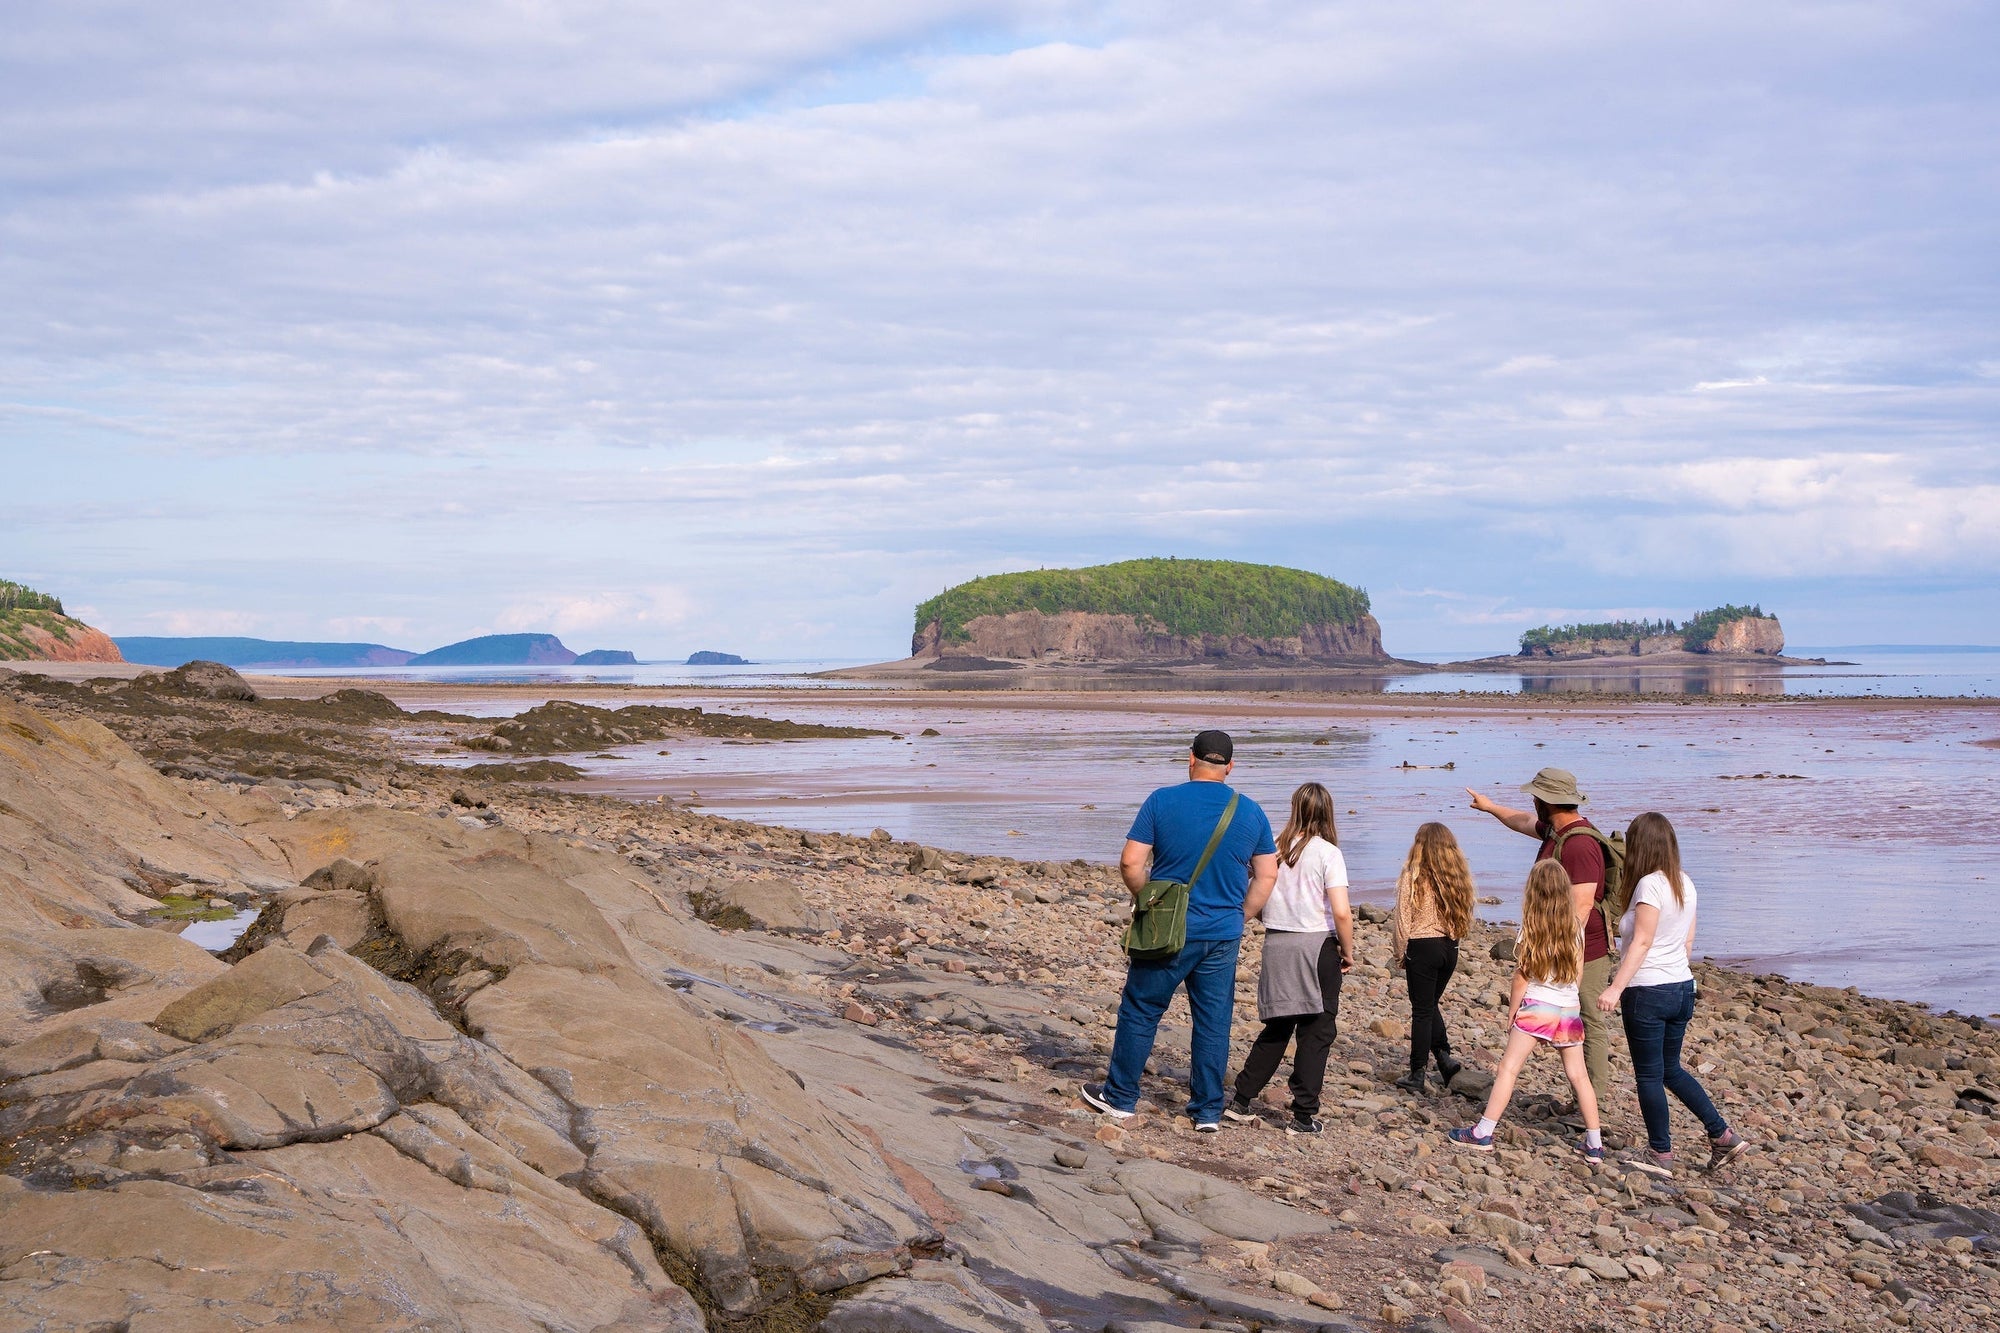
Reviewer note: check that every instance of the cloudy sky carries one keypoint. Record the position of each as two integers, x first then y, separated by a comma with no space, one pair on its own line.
669,326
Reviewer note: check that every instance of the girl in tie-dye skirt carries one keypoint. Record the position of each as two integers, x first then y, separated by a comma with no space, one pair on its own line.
1546,1011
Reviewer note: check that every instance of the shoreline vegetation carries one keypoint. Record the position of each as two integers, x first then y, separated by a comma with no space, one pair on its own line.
905,1027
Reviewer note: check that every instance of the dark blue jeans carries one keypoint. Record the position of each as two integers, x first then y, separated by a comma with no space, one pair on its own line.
1656,1019
1208,969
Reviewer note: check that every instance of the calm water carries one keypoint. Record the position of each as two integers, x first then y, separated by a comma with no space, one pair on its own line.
1867,857
1864,671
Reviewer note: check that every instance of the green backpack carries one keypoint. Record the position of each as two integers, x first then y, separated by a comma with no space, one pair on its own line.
1615,895
1159,912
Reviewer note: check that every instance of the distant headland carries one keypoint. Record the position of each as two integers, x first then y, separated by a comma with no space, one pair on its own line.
280,654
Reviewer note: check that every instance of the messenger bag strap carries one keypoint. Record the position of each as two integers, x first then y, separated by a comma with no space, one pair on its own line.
1214,839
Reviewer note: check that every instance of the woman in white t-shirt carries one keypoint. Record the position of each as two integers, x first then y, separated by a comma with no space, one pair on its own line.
1308,945
1656,987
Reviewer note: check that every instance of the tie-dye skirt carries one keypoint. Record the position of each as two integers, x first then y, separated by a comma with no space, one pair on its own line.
1557,1024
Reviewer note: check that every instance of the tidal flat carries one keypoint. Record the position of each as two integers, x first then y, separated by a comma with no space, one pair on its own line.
1849,842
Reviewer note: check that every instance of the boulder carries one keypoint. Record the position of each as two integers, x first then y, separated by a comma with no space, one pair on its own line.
200,680
345,918
341,875
759,904
264,980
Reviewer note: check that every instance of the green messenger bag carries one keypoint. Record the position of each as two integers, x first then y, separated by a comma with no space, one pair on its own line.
1159,913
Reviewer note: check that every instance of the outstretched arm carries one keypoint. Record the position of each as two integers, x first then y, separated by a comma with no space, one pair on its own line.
1521,821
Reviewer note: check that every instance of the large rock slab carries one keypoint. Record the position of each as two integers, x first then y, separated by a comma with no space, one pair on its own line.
87,828
52,979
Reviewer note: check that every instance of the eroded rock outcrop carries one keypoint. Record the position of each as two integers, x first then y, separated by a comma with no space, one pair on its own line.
1077,636
344,1115
1761,635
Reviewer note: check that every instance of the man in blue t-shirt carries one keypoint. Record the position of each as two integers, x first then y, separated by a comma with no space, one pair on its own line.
1172,828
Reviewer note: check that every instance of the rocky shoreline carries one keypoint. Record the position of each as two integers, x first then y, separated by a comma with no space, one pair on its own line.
497,1056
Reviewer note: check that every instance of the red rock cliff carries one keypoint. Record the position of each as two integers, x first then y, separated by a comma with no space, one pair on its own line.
1076,636
82,644
1760,635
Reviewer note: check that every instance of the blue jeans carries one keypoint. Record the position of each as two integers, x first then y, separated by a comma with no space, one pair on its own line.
1656,1019
1208,969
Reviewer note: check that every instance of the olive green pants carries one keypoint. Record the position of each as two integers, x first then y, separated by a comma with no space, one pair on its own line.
1596,1033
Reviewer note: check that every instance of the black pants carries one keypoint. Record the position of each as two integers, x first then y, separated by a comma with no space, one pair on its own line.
1315,1036
1427,965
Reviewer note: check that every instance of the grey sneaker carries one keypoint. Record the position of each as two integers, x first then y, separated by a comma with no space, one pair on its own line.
1659,1164
1726,1149
1208,1127
1243,1113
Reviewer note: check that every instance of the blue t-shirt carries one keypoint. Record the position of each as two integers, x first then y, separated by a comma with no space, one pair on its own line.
1176,822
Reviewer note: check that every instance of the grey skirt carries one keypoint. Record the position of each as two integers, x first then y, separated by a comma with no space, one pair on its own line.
1289,981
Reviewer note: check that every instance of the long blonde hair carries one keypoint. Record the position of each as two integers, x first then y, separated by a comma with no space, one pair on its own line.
1650,845
1312,817
1551,945
1437,866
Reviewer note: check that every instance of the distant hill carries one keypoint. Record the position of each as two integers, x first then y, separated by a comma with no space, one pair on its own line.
500,650
1728,630
278,654
35,628
1155,609
708,657
241,652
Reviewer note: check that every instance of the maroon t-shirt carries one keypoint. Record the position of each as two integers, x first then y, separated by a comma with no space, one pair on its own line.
1583,857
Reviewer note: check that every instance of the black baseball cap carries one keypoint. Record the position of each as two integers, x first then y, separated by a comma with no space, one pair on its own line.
1213,747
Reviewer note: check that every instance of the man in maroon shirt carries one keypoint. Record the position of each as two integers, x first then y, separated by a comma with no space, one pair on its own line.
1555,821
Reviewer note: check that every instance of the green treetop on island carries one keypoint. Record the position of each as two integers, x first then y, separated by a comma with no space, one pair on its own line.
1695,634
1184,596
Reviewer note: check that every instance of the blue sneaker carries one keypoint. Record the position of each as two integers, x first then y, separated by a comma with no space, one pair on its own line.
1469,1136
1593,1153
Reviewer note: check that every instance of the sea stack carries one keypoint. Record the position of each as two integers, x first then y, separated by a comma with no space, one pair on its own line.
1156,610
1723,631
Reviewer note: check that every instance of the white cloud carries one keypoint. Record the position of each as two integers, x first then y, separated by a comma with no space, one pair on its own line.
646,609
192,622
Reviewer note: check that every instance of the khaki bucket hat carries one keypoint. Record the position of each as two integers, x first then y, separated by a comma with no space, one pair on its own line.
1557,786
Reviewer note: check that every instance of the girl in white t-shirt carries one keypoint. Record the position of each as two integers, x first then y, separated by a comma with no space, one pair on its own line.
1308,945
1655,985
1545,1011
